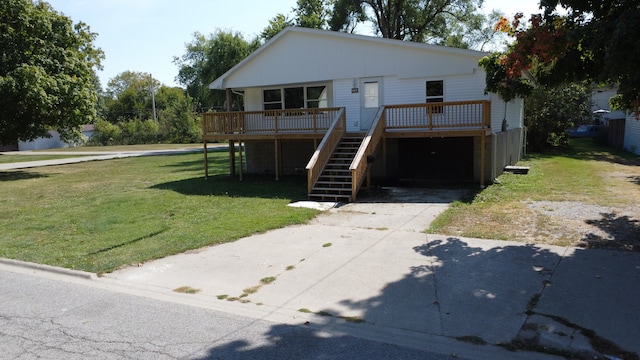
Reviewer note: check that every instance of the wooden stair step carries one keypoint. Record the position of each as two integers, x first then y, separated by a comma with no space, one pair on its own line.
332,190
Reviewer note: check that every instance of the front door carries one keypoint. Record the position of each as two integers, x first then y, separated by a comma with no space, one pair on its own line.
370,101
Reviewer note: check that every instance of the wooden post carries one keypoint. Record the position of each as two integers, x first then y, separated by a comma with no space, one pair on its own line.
277,155
241,165
482,157
206,161
232,145
232,158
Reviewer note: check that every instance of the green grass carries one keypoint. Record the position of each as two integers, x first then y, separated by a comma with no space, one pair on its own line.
99,216
267,280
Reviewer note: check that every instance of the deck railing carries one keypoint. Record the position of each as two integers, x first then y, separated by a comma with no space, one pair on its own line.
325,149
446,115
269,121
365,153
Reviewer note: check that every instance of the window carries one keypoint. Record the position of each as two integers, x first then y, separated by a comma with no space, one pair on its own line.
435,93
316,97
272,99
371,95
295,98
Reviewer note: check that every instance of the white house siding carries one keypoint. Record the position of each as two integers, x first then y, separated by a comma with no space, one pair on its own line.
53,142
253,100
403,91
343,97
632,134
514,113
465,88
298,55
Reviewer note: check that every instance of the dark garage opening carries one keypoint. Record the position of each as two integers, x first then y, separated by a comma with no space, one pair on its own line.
436,159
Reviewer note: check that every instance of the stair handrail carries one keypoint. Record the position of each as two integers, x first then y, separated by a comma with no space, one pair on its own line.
366,151
323,152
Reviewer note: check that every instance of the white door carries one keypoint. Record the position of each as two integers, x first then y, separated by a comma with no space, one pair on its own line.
370,101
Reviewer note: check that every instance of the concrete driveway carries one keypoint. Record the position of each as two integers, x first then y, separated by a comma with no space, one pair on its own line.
368,269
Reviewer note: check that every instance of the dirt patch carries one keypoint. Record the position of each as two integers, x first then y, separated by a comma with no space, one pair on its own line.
608,217
593,226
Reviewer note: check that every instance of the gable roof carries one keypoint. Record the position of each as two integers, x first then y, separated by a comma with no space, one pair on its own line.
301,55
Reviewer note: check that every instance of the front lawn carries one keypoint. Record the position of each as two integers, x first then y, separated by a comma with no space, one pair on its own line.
98,216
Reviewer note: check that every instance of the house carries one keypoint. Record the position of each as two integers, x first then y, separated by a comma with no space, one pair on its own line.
623,129
53,141
347,108
632,134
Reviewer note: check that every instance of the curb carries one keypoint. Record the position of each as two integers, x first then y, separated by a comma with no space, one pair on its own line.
48,268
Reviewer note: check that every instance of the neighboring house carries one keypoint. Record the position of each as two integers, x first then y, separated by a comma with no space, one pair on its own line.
346,107
600,107
632,134
623,130
54,141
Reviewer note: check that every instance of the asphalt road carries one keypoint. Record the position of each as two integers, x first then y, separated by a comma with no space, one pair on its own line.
48,319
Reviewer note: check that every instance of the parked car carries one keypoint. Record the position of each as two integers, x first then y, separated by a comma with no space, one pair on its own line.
584,131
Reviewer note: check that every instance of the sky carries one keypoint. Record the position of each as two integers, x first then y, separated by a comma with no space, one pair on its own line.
146,35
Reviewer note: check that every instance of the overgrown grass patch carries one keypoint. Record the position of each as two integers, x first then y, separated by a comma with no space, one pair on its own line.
99,216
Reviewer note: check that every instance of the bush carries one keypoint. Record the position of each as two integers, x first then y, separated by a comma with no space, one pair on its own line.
106,133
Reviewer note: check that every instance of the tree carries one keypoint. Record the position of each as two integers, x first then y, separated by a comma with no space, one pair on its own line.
311,14
594,41
548,111
414,20
206,59
478,32
129,96
276,24
46,73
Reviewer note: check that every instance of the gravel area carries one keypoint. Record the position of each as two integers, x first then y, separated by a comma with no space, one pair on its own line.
596,226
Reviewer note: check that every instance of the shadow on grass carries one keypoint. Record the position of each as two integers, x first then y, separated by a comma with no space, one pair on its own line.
20,175
624,233
634,179
253,186
128,242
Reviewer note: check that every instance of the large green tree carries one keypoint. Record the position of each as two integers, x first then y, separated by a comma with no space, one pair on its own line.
46,72
592,40
128,96
208,57
414,20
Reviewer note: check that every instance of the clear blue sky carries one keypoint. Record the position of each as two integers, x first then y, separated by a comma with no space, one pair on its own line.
145,35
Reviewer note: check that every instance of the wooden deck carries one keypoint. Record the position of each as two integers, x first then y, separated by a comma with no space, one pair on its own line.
270,124
412,120
447,119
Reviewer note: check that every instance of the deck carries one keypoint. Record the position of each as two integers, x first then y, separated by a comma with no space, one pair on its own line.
328,125
413,120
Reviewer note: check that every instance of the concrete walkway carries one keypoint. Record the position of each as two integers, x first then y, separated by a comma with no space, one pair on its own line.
84,156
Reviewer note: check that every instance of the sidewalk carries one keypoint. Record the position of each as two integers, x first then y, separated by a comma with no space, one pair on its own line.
86,156
366,268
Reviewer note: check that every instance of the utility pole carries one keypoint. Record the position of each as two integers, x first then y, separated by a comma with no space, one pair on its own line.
153,98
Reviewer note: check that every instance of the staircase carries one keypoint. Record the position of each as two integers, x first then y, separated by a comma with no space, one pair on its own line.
334,183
